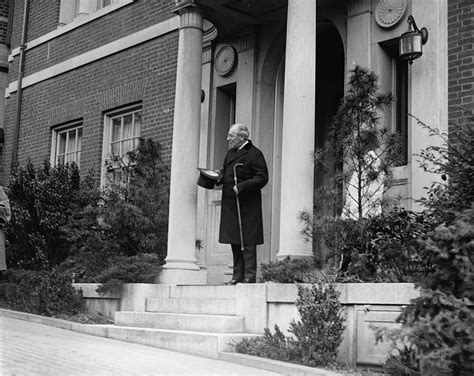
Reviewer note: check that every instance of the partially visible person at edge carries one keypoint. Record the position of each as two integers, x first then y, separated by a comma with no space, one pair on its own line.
5,215
252,176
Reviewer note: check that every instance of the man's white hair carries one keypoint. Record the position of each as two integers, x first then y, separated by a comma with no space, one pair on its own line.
242,130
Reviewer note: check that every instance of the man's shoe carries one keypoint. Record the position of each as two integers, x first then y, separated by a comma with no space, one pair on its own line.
248,280
232,282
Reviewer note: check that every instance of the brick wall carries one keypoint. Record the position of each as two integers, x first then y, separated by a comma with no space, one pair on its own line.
43,17
4,6
120,23
143,74
460,62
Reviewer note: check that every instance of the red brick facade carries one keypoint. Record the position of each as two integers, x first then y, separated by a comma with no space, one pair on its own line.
460,61
143,74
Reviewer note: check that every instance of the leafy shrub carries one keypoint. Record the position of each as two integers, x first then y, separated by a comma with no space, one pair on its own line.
20,288
384,248
287,271
130,218
316,337
436,337
437,326
142,268
453,161
42,200
57,295
41,292
319,332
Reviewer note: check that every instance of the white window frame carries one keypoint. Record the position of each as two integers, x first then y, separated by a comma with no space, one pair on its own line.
107,142
55,139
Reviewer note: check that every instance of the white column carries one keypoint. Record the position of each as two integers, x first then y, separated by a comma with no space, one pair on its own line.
298,127
181,263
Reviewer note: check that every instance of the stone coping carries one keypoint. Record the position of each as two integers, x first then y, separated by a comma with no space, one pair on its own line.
351,293
89,291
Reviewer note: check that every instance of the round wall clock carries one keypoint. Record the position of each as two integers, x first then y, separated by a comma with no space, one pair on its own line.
226,60
389,12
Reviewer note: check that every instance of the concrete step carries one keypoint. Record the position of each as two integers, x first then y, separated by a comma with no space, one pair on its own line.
180,321
191,305
208,345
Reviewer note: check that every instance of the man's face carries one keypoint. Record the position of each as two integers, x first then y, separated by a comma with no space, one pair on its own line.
234,139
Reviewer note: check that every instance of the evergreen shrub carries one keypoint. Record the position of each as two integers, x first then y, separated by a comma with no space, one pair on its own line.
41,292
314,338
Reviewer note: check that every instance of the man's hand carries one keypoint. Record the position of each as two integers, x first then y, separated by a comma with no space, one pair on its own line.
236,190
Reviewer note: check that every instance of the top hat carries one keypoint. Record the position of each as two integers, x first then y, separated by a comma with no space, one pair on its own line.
208,178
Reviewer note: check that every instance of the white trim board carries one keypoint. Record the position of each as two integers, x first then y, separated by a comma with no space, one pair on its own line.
97,53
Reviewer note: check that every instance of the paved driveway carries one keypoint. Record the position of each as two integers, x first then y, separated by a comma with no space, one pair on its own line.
28,348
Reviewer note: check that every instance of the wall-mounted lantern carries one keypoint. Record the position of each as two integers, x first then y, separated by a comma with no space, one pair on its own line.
411,42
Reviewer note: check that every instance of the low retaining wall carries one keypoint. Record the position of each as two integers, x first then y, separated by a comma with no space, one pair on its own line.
265,304
365,304
105,305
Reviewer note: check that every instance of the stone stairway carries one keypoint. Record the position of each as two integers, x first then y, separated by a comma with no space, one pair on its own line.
199,320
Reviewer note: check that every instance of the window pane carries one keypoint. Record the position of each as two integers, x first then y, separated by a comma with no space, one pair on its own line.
115,148
138,124
70,158
127,146
71,143
116,129
62,143
127,126
79,139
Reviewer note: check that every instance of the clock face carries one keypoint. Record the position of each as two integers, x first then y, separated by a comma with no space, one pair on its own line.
389,12
226,60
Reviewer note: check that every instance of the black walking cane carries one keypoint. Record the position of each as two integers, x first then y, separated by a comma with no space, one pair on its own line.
238,209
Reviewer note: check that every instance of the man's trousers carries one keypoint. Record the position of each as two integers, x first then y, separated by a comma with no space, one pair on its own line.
245,262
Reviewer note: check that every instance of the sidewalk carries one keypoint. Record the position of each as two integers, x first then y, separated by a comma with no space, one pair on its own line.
29,348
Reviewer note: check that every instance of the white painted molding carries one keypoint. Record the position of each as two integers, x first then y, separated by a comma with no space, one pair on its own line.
98,53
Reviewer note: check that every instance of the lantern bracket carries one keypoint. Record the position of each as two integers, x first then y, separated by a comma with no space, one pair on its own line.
423,31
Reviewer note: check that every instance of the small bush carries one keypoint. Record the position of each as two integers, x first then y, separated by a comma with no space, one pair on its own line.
319,332
20,288
142,268
288,271
57,295
41,292
316,337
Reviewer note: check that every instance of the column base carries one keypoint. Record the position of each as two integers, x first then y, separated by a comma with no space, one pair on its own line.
182,277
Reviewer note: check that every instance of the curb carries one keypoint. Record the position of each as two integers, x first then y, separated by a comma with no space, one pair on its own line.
284,368
242,359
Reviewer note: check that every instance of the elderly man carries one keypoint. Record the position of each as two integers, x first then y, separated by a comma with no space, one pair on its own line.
250,168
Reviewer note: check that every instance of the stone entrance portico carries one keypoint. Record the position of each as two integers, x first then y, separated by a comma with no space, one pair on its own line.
272,89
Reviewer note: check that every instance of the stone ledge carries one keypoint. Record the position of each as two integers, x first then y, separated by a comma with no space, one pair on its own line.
274,365
351,293
89,291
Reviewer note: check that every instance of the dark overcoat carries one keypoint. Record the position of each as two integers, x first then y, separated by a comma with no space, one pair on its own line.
252,176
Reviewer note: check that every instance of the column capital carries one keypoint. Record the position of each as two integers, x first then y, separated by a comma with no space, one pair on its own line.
190,14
